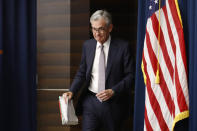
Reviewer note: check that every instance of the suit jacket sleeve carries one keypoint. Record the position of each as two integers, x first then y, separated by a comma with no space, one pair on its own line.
126,83
80,77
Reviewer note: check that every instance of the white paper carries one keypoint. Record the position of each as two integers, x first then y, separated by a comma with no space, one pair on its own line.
67,112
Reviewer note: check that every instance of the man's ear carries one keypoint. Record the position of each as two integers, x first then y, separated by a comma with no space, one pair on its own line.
110,27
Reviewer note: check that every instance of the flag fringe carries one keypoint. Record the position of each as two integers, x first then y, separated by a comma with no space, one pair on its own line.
144,75
179,117
178,11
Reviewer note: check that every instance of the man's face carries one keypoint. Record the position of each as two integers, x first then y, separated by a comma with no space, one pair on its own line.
100,30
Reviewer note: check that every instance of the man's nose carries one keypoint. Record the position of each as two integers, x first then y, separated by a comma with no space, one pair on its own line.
97,33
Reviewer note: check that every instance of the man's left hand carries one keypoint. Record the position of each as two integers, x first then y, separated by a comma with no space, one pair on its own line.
105,94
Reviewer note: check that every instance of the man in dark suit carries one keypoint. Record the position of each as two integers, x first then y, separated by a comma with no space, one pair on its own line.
106,69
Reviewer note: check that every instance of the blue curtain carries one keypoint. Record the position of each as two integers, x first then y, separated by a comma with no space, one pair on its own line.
189,13
139,81
18,65
189,17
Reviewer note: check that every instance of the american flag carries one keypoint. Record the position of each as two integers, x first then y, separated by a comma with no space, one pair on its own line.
167,100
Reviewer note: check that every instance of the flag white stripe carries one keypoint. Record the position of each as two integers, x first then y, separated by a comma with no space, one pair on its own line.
167,77
180,64
151,115
166,36
177,110
182,76
178,59
144,126
169,16
157,90
162,62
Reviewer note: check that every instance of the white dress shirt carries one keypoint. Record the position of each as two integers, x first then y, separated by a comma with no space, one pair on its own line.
94,74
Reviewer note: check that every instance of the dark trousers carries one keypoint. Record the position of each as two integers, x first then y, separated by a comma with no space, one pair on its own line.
98,116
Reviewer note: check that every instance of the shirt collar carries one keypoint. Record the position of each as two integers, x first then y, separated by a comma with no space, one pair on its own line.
107,43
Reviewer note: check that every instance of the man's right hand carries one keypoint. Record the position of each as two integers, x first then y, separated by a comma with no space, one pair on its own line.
68,95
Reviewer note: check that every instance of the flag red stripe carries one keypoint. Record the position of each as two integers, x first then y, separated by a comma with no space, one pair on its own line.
155,105
147,120
153,100
147,123
166,93
148,126
155,24
152,56
163,86
180,96
169,30
179,31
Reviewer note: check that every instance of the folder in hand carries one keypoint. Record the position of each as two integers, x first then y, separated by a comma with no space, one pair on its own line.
67,112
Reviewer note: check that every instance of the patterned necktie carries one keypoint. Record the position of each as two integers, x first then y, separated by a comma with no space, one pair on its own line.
101,71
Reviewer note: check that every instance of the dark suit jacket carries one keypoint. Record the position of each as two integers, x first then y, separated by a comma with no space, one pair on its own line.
119,74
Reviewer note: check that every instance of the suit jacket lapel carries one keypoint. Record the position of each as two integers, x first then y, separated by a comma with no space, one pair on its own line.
91,55
111,54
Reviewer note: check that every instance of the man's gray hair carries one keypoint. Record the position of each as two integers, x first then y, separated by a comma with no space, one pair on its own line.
101,14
